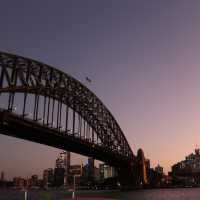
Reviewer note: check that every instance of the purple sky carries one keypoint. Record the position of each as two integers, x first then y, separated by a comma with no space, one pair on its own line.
143,58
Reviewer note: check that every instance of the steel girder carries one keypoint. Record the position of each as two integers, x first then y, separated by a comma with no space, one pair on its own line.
23,75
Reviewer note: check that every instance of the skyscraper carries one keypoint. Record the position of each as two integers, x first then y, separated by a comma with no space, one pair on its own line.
62,168
2,176
34,180
91,169
106,171
48,176
67,167
159,169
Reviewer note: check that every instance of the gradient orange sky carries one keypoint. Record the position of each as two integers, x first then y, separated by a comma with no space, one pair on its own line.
144,61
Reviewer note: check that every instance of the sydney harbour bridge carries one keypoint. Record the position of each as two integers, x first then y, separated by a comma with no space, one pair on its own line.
42,104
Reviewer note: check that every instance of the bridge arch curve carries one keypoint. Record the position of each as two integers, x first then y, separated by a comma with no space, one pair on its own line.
26,76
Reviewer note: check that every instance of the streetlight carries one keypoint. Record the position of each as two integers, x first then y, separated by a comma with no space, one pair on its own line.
73,194
25,194
14,109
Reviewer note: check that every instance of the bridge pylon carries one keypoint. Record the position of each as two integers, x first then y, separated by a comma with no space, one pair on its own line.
127,177
134,175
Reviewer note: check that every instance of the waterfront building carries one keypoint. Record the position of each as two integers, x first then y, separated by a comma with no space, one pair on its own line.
67,163
148,169
60,161
62,169
76,170
59,176
48,177
96,174
147,164
63,162
40,183
141,168
106,171
19,182
159,169
34,180
28,182
59,171
90,169
187,171
2,176
155,179
101,171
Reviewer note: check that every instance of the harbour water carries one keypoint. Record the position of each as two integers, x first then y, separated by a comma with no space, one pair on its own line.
154,194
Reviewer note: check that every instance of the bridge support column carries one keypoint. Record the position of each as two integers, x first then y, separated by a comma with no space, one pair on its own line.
134,176
127,178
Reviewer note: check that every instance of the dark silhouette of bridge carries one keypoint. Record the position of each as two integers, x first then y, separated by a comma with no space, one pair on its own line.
42,104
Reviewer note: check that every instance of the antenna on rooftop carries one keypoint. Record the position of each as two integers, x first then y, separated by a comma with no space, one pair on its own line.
197,150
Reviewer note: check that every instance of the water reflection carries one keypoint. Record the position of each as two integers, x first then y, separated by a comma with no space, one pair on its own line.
162,194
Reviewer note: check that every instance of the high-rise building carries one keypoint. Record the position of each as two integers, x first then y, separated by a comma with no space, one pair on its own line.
19,182
76,170
62,169
91,169
60,162
2,176
148,168
34,180
106,171
159,169
96,174
67,161
67,167
48,176
147,163
63,160
59,174
101,171
109,171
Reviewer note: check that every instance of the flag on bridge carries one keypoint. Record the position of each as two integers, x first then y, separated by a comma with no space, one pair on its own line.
88,79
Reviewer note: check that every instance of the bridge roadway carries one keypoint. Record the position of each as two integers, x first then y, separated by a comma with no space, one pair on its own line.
12,124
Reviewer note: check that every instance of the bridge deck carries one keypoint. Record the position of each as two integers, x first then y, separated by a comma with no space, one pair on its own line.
14,125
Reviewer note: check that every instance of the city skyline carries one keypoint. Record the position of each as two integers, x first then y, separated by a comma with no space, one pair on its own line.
59,162
141,56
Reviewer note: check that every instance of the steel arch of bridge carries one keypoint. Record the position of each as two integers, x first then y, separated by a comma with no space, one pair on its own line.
27,76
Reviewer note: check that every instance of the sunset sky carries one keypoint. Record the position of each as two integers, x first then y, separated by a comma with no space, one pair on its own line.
143,57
